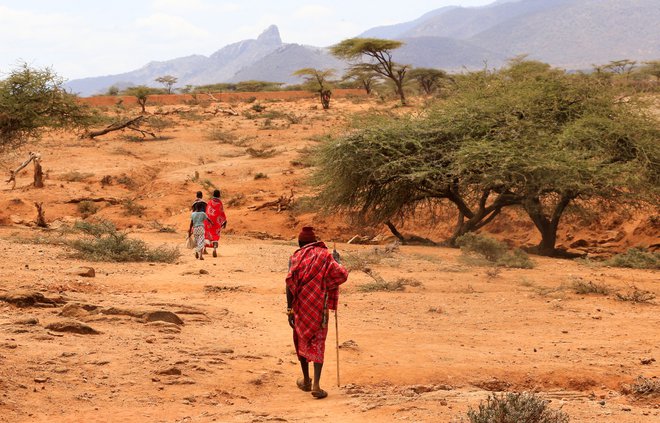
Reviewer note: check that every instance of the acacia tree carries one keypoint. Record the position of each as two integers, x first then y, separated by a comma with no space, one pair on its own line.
141,93
379,52
32,100
364,76
168,82
528,136
318,81
429,79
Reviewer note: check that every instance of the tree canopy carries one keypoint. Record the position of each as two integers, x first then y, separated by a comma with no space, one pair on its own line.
528,136
379,53
32,100
168,82
318,81
429,79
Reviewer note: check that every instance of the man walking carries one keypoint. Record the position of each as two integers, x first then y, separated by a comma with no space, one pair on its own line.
312,289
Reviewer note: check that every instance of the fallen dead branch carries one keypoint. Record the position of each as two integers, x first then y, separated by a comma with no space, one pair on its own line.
282,203
132,124
109,200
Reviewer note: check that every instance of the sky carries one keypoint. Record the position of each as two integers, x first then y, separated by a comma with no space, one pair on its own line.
81,38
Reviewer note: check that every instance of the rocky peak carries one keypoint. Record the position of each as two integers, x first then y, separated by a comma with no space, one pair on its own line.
271,35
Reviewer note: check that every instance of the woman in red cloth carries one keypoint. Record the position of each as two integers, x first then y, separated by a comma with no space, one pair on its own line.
217,220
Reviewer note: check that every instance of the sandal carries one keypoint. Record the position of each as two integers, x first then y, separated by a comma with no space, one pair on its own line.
304,386
319,394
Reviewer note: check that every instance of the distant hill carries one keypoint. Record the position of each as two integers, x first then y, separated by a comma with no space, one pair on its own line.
280,64
573,34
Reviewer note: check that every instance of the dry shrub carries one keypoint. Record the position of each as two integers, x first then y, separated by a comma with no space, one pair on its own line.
516,407
494,251
260,175
583,287
223,136
381,285
643,387
101,241
87,208
361,261
237,200
131,208
261,153
636,295
127,181
75,176
636,258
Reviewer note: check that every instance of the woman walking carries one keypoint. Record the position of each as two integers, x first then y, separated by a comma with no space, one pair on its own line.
196,229
217,220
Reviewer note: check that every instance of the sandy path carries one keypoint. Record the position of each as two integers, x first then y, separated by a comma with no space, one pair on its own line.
459,335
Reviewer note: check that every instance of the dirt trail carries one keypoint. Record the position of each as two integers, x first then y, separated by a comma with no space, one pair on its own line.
424,354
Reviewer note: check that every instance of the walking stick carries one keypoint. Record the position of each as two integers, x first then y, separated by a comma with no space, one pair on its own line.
334,250
337,344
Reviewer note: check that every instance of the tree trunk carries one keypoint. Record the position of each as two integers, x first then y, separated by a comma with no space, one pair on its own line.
402,95
38,173
395,232
546,226
41,216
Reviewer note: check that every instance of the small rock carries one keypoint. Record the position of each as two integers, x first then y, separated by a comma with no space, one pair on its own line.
647,361
83,271
71,326
203,272
420,389
626,409
180,381
28,321
601,402
41,379
162,316
9,345
169,371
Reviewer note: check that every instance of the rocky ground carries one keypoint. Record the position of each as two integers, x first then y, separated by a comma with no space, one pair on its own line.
206,341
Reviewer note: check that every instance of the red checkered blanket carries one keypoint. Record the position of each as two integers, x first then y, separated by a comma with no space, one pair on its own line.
314,278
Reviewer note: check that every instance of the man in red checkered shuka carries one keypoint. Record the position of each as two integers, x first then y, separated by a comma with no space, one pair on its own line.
312,289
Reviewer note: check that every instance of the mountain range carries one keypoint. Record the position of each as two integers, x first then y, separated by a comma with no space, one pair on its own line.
572,34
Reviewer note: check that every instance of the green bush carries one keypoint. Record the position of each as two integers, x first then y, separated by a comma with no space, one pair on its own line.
516,408
494,251
131,208
636,258
101,241
87,208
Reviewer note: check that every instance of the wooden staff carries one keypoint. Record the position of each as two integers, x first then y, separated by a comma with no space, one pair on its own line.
337,343
334,250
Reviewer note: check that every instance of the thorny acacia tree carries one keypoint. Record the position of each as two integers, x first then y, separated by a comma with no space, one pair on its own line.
167,81
319,82
379,51
364,76
429,79
527,135
32,100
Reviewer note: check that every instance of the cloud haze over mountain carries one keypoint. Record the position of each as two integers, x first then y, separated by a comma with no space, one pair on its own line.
573,34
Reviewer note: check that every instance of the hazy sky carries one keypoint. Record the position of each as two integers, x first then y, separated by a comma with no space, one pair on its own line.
80,38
